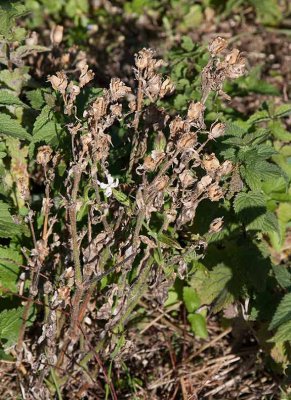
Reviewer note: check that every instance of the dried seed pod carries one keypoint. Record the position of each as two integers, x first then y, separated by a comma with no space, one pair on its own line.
187,141
118,89
217,46
232,57
86,75
217,130
59,82
116,110
225,168
153,160
167,88
216,225
195,111
44,155
210,163
186,178
143,58
215,192
204,182
56,35
154,85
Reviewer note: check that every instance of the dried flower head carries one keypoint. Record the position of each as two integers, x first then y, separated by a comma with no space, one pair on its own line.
167,88
59,82
56,35
215,192
143,58
216,225
217,131
210,163
195,111
44,155
217,46
118,89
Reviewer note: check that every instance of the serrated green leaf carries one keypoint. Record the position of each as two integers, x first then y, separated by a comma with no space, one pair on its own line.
283,109
191,299
10,260
209,285
198,325
36,98
282,275
283,333
247,200
11,127
9,99
258,116
45,127
283,312
8,228
10,324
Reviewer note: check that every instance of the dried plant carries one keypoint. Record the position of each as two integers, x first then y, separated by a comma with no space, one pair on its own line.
106,240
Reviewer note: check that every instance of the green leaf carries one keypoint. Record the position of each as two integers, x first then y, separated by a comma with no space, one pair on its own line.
191,299
8,228
283,333
283,312
45,127
258,116
11,127
170,242
209,285
282,275
121,197
10,260
10,324
187,43
282,110
36,98
247,200
198,325
9,99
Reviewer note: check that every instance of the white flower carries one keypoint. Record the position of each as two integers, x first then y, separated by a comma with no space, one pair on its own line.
108,186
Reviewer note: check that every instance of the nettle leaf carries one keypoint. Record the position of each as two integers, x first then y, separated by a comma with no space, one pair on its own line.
282,110
258,116
251,210
10,260
11,127
246,200
10,324
282,275
283,312
45,127
232,129
254,174
209,285
9,99
8,228
198,325
36,98
191,299
283,333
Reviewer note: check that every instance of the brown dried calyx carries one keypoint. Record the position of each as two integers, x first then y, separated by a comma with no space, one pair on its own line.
220,68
